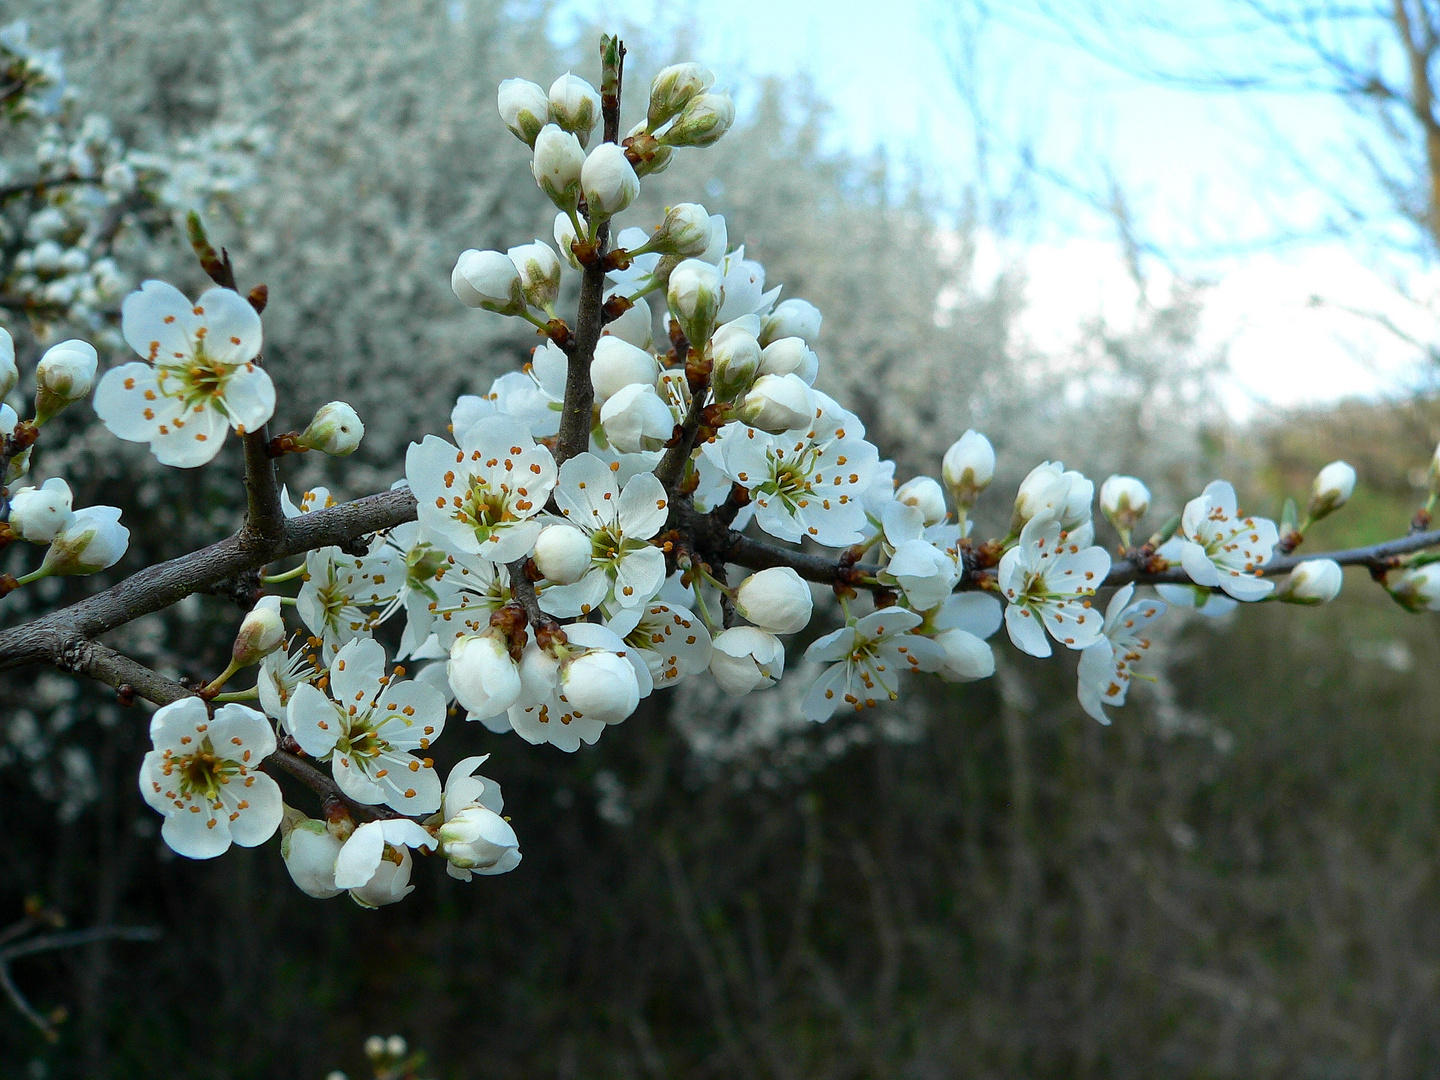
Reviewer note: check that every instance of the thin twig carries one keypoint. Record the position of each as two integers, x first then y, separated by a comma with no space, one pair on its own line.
49,942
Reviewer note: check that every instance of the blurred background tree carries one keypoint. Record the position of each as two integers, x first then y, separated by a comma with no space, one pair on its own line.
1234,880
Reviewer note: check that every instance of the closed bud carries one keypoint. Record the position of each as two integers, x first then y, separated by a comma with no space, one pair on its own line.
562,554
608,181
524,108
618,364
1123,501
744,658
694,296
574,106
1050,488
565,238
559,157
791,318
1333,486
735,354
9,373
91,540
1314,581
1415,588
600,685
261,632
489,280
539,270
703,121
925,495
634,326
477,838
777,600
483,676
777,404
674,88
684,232
309,850
968,468
790,356
636,420
65,374
336,430
38,514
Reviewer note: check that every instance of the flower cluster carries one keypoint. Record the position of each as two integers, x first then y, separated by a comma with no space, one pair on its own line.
575,550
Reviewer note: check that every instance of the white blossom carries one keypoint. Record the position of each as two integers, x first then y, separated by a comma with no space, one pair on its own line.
1123,501
635,420
559,157
9,373
204,775
600,684
673,88
694,297
1051,489
671,641
539,270
925,495
342,596
473,837
310,849
633,326
777,600
1220,548
744,658
790,356
484,677
1416,588
867,657
562,553
489,280
281,672
199,374
545,715
374,863
38,514
684,231
963,623
620,523
1047,580
366,728
482,497
735,356
618,364
705,118
1106,666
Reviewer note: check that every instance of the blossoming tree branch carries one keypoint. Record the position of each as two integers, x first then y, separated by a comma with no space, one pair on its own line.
619,515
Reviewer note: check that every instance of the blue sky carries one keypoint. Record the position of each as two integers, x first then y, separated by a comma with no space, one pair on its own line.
1228,186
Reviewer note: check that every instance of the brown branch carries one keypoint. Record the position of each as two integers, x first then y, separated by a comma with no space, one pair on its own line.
47,639
48,943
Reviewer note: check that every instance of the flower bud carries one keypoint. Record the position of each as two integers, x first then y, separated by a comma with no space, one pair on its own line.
1415,588
565,237
968,468
745,659
791,318
562,554
777,404
261,632
1331,490
633,326
477,838
524,108
9,373
636,420
489,280
600,685
38,514
483,676
967,657
1123,501
694,297
925,495
91,540
790,356
559,157
702,122
575,106
65,374
608,181
539,270
20,463
309,850
1045,489
777,600
618,364
336,430
684,232
674,88
735,354
1314,581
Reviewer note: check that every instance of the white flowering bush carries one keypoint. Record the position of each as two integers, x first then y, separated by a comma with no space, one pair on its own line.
631,510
